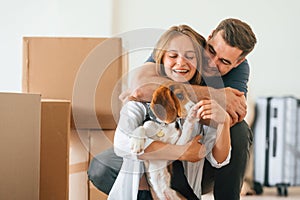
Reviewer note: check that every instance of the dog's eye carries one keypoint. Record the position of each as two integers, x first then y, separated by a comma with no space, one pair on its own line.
180,96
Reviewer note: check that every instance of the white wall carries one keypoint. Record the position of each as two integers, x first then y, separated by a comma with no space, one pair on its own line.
274,66
45,18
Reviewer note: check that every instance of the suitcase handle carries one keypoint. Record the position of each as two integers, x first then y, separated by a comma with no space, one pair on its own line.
274,141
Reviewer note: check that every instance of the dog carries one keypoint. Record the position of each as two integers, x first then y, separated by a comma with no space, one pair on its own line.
170,105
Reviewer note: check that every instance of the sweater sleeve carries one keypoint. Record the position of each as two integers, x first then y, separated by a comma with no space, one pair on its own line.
132,116
209,142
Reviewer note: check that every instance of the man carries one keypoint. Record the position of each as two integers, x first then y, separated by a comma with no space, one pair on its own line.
228,46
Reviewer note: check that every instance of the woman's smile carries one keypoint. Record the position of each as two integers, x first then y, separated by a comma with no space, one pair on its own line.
180,59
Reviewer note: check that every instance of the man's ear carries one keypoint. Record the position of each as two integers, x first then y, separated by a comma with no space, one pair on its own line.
210,35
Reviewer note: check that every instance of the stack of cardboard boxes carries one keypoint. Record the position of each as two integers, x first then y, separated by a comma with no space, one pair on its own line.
20,116
79,80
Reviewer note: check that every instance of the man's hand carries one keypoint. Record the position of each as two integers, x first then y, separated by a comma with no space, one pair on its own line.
144,92
124,95
235,104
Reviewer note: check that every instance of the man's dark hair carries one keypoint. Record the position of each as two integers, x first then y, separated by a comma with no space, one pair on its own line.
237,34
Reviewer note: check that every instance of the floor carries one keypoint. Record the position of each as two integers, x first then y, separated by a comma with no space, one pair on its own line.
268,194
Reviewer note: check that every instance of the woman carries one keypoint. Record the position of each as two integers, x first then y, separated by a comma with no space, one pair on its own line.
179,55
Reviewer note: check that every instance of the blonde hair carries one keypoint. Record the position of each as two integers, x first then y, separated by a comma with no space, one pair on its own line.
199,44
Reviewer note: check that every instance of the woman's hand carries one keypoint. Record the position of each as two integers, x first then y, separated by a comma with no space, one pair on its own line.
211,110
194,150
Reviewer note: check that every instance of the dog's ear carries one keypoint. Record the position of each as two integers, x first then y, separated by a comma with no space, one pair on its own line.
163,104
173,88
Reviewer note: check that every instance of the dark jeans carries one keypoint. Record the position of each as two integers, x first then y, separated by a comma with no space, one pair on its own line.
226,182
104,169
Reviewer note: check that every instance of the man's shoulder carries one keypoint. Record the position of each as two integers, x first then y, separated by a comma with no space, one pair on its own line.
244,65
241,68
238,77
150,59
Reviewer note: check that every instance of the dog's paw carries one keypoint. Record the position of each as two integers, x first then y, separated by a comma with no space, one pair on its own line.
192,115
137,141
137,145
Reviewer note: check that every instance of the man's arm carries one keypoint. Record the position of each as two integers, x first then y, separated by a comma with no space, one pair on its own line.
238,78
145,81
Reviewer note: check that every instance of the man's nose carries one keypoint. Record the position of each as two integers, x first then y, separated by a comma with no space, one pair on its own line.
213,61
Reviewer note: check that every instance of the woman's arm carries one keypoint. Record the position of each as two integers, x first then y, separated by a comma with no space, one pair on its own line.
195,151
211,110
222,147
192,151
132,116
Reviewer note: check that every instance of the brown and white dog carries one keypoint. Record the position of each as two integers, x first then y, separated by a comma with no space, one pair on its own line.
170,104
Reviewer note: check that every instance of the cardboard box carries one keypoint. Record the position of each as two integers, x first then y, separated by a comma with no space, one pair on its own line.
79,161
86,71
100,140
84,145
64,154
96,194
20,145
55,144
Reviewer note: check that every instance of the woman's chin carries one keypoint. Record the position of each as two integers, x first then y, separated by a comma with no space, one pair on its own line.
179,78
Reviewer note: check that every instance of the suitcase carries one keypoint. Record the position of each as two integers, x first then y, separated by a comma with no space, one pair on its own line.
276,143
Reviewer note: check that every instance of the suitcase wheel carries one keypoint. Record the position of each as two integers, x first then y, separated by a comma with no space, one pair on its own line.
282,189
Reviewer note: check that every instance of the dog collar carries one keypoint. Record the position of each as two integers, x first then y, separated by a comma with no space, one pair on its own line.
151,117
154,118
